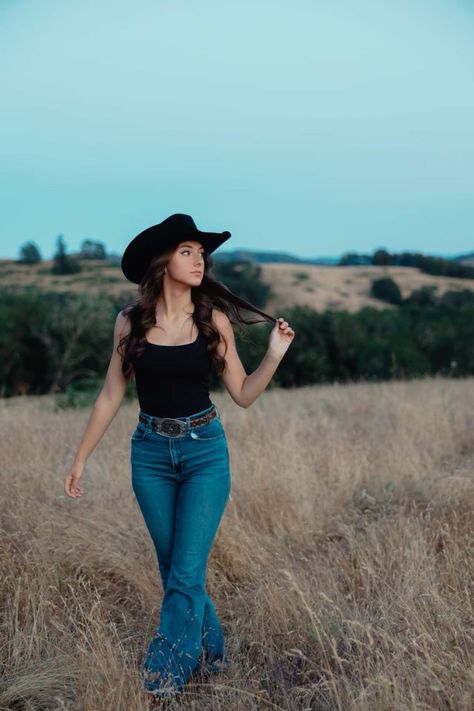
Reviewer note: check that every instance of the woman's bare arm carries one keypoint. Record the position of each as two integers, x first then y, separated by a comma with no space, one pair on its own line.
244,389
105,408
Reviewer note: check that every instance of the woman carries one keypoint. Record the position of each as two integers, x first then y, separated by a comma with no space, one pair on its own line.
167,339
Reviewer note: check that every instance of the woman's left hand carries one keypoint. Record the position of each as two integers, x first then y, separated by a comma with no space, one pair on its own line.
280,338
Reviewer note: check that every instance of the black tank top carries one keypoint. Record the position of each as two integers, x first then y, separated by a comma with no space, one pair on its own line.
173,381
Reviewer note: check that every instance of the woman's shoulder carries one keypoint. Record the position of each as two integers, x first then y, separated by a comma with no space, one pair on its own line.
220,320
224,326
122,323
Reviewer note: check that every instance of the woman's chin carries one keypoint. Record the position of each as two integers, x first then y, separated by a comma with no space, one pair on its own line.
194,281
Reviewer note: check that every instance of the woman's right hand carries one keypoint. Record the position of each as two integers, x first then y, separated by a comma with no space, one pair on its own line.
71,481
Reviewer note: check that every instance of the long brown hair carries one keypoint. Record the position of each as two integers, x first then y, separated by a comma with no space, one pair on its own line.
210,294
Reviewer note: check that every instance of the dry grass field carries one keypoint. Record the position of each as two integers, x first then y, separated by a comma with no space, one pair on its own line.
320,287
343,569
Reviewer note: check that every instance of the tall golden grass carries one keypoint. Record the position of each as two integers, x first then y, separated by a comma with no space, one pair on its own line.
342,570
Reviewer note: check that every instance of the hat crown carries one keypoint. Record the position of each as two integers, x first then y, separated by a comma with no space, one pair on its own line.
180,221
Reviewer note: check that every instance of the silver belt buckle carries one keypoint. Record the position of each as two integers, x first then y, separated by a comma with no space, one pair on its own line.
171,427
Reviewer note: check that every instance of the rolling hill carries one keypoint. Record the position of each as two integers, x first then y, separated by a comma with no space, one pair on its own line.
320,287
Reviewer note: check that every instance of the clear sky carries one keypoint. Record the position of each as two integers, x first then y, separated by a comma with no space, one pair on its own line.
312,126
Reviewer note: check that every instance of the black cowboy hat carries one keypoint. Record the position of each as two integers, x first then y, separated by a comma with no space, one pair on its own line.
175,229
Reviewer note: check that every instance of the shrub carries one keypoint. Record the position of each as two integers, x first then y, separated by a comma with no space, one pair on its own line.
386,289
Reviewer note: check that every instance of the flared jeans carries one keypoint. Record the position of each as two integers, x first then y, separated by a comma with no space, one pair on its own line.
182,485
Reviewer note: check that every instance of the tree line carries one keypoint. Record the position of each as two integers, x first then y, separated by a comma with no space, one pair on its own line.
64,263
60,343
430,265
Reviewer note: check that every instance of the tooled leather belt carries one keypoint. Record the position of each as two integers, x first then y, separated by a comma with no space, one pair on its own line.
173,426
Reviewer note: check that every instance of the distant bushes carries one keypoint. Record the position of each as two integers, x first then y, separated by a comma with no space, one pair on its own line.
52,340
61,342
243,278
445,267
417,339
354,259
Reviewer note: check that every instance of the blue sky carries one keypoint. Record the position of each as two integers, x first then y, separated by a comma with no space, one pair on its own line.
309,126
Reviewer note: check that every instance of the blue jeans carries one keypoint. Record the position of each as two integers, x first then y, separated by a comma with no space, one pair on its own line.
182,485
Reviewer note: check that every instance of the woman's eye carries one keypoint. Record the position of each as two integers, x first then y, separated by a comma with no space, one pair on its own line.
188,251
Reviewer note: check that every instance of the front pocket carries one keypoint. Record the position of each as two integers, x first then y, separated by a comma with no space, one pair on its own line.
139,433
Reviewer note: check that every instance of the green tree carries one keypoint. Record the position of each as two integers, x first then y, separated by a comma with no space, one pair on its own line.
50,340
63,263
424,296
91,249
354,258
381,257
307,359
29,253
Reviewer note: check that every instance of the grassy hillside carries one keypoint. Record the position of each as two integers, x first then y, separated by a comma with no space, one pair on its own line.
319,287
342,570
347,288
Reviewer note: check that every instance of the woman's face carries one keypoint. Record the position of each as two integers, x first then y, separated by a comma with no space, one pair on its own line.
187,263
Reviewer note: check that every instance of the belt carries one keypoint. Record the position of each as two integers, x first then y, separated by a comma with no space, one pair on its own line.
173,426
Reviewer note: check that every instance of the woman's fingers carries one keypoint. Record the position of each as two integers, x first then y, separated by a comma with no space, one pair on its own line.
76,489
284,326
72,487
